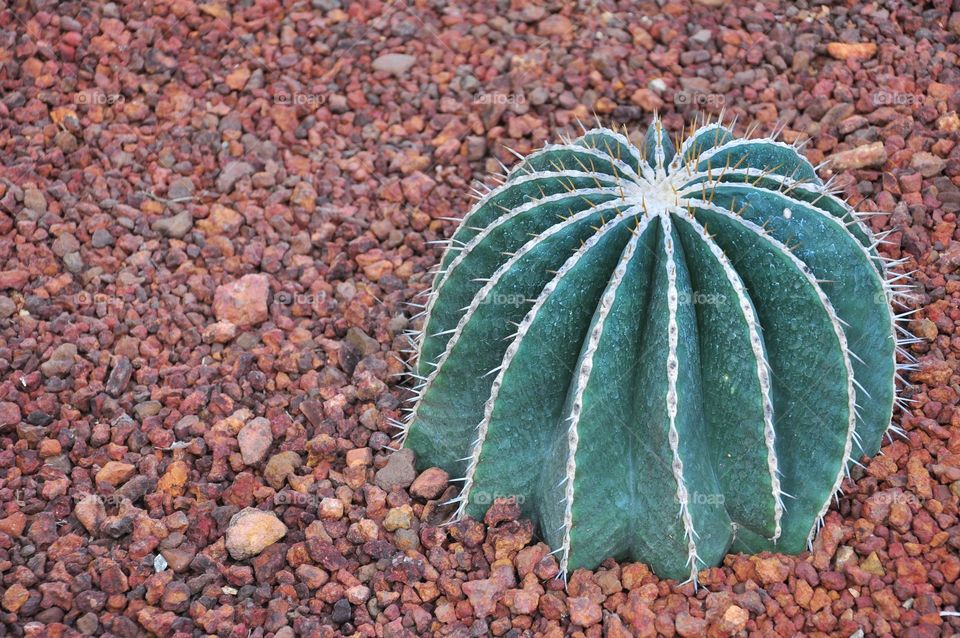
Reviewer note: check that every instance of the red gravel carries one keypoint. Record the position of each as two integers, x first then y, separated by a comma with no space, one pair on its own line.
211,215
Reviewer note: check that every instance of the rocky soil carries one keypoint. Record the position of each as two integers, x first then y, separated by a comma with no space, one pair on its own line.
211,215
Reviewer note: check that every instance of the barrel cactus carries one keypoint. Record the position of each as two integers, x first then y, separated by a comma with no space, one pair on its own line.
662,352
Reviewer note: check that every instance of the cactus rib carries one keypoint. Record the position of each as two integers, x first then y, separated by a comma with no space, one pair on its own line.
838,332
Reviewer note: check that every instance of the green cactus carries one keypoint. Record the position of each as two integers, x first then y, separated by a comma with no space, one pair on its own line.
663,355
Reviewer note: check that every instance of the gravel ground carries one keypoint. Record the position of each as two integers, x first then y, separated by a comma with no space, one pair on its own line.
211,216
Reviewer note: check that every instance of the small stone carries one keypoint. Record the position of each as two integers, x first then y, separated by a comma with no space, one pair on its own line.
279,467
734,619
222,221
555,25
845,554
91,512
65,243
13,525
34,200
313,410
174,480
312,576
690,627
771,570
180,189
176,597
342,612
331,508
483,595
364,344
646,99
852,50
868,155
430,484
9,414
231,174
73,262
146,409
358,456
871,564
927,164
358,594
119,377
522,601
219,332
243,302
176,226
851,124
101,238
7,307
15,279
398,471
115,473
237,78
251,531
406,539
15,597
255,439
395,63
416,187
88,624
61,361
803,594
66,141
925,329
819,600
701,37
584,611
398,518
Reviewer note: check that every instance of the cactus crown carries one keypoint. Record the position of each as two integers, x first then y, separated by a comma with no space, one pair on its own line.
663,353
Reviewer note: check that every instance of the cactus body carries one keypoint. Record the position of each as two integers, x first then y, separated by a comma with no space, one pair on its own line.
663,354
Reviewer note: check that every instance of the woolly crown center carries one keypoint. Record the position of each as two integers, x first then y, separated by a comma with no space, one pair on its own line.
659,196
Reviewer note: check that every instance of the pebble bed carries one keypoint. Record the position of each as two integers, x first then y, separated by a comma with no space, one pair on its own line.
212,215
